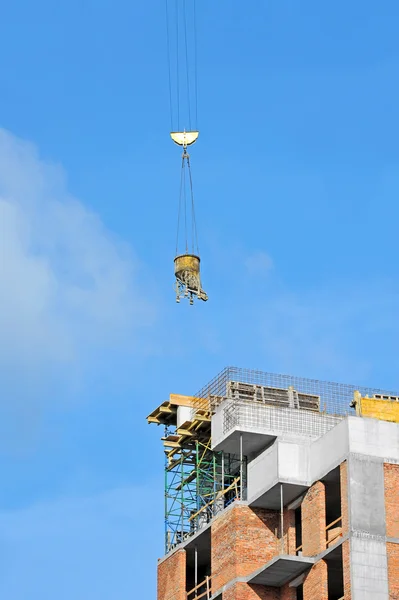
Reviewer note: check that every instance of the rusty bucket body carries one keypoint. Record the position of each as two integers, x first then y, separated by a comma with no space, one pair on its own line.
188,280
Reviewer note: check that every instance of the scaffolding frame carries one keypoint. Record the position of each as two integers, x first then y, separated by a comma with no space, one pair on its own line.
199,483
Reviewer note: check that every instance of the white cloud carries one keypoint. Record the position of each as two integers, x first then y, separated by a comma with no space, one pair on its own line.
67,287
258,263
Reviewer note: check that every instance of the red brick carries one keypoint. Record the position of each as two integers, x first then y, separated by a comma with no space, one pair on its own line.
391,479
393,570
243,540
314,520
172,577
287,593
244,591
346,570
315,586
289,532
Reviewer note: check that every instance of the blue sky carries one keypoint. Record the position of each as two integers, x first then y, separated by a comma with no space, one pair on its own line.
296,178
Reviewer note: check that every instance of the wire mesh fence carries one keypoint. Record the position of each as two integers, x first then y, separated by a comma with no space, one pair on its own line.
332,398
279,420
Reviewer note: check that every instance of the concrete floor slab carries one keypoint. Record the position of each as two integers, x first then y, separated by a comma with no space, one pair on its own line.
281,570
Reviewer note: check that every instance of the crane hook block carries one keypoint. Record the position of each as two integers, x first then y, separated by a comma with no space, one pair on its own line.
188,281
184,138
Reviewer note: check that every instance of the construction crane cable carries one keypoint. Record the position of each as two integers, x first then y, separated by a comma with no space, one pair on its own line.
195,64
194,222
177,65
185,206
169,63
179,207
182,57
187,64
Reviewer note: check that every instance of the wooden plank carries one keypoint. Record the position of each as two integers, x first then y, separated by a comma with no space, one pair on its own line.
169,444
218,495
171,438
333,523
188,479
202,418
207,579
154,420
181,400
185,432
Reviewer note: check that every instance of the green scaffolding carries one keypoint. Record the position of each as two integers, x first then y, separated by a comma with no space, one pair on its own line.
199,483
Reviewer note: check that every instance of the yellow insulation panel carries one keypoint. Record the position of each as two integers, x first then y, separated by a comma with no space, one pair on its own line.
384,410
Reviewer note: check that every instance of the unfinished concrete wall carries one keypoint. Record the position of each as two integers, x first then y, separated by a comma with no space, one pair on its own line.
314,520
264,419
374,438
172,577
243,540
369,575
393,570
263,471
368,561
391,481
294,461
367,502
329,451
297,461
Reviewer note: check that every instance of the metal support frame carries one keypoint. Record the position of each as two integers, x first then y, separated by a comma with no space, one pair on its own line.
199,483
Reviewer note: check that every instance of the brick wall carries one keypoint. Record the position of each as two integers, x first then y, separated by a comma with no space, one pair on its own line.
393,570
243,591
172,577
346,570
314,520
391,478
243,540
344,497
287,593
289,532
315,586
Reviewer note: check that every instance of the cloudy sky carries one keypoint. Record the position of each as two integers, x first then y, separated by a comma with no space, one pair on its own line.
297,183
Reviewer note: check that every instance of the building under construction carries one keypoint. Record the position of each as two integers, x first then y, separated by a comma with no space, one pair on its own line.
280,488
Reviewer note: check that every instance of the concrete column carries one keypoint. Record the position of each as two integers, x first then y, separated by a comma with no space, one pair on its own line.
314,520
393,569
367,527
